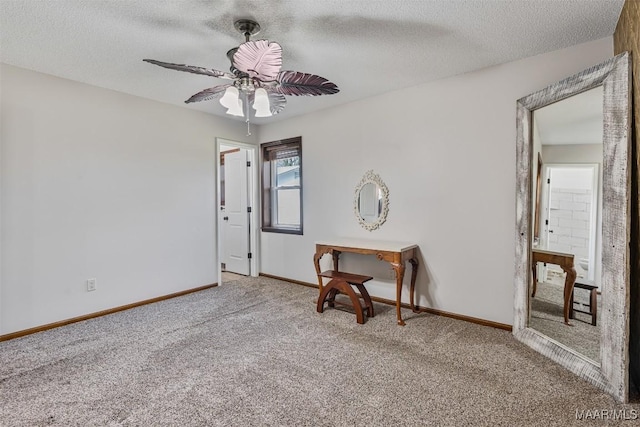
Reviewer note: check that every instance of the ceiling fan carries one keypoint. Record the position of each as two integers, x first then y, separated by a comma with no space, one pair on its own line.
256,78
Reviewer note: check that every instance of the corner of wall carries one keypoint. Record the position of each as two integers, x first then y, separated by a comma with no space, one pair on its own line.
626,38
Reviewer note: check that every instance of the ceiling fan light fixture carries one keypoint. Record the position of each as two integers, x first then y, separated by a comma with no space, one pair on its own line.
231,100
256,76
261,103
236,110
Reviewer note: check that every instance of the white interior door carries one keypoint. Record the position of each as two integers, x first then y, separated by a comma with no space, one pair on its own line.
235,220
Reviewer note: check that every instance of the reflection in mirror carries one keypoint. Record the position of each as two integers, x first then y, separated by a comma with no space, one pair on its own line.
567,153
581,245
371,202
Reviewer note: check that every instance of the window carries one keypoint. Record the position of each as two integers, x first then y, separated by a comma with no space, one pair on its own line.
282,186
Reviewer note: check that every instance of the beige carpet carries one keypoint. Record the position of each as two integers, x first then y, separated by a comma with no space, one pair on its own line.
547,316
254,352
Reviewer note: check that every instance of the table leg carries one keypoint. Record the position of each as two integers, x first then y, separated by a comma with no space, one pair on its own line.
399,269
414,272
571,304
336,259
569,281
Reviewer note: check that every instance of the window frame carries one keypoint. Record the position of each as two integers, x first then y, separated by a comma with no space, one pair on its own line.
270,190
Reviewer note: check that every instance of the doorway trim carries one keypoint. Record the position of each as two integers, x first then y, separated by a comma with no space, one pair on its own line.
254,202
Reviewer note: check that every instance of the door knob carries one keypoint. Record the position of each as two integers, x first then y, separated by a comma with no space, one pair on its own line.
226,218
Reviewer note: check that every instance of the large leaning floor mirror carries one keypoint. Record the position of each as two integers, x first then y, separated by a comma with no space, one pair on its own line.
572,249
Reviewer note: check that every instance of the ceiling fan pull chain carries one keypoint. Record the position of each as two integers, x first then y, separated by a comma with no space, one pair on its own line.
246,113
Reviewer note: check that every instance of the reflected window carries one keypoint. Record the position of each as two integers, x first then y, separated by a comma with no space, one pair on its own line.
282,186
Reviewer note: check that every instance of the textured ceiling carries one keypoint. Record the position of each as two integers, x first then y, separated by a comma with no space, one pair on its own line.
366,47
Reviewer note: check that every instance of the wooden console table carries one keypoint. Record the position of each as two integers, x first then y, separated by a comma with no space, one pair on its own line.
395,253
565,261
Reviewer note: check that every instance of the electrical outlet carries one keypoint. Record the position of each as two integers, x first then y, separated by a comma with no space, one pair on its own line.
91,285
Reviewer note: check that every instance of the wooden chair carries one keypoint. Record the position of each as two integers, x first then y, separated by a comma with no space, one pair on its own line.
342,283
592,307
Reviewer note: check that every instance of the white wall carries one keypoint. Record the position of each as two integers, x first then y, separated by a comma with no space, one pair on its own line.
446,150
572,153
99,184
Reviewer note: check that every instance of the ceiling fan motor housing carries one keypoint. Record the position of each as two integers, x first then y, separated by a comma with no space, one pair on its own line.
247,27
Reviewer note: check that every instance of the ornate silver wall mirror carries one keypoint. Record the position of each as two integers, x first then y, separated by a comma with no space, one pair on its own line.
571,217
371,201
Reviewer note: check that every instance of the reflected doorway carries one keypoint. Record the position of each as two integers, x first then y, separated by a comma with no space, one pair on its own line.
570,212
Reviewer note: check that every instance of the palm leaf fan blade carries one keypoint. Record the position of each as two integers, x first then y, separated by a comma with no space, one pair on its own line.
301,84
192,69
261,59
277,102
207,94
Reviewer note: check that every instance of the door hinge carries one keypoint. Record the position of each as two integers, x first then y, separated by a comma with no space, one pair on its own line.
249,255
248,164
546,222
249,209
548,180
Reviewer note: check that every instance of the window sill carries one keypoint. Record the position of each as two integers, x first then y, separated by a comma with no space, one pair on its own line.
282,230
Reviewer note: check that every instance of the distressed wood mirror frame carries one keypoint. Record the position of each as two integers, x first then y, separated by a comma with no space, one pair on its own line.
612,374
